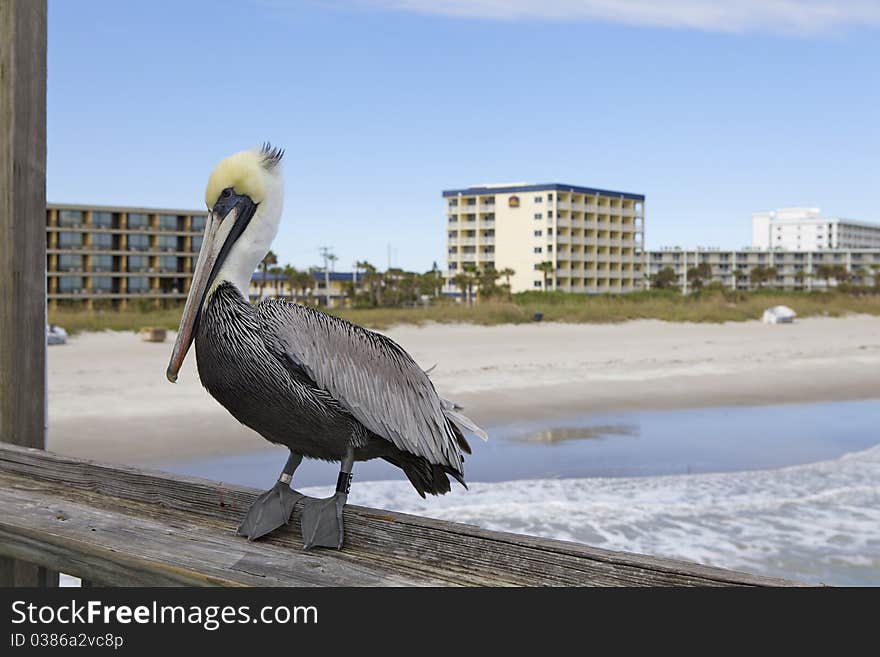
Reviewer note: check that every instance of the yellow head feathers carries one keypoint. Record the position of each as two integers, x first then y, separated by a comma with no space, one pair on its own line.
245,172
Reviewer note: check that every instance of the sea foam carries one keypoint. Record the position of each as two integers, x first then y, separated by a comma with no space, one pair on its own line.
817,523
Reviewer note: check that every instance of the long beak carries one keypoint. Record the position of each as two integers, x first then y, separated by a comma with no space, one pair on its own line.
205,265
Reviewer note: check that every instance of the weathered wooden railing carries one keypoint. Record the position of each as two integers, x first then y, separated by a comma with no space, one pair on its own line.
114,525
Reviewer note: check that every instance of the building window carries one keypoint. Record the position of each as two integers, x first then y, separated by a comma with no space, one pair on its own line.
138,220
539,199
70,218
102,219
166,242
168,221
138,284
196,243
549,197
102,284
167,263
70,283
538,215
539,284
538,249
102,263
549,214
538,233
138,242
102,241
70,240
549,248
549,232
70,262
199,222
138,263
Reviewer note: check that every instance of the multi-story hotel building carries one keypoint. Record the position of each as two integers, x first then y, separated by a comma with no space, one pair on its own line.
804,229
592,237
795,270
100,255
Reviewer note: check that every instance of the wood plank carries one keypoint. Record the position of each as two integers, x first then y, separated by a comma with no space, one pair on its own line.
378,543
126,549
23,241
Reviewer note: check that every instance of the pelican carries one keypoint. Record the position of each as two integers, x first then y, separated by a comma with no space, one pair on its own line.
319,385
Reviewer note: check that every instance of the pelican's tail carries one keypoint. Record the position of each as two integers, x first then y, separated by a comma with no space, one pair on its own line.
426,477
451,411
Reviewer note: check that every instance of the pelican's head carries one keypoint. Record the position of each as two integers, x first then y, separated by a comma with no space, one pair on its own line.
244,198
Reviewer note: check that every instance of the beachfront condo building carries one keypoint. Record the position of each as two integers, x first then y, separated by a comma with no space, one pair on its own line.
791,270
804,229
592,238
103,256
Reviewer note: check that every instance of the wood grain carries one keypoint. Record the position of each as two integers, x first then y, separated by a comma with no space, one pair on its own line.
23,240
116,525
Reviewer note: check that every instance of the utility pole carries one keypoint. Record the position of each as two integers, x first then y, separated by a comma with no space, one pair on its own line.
327,254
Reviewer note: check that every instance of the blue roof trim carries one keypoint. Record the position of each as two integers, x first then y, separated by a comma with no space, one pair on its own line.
545,187
317,275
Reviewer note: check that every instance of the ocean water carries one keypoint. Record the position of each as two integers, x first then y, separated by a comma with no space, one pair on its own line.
790,491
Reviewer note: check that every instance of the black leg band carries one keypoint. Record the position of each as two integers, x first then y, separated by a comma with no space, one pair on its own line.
343,484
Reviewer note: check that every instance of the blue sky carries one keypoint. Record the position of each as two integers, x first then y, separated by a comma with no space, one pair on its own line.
381,104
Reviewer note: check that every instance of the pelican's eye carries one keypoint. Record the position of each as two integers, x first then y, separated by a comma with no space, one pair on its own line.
228,199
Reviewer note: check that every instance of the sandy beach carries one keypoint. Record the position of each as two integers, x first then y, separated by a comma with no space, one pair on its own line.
109,400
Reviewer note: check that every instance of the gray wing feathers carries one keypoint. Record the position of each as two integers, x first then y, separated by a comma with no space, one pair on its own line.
371,376
450,409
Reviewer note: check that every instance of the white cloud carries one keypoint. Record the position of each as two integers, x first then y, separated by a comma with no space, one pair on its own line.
803,17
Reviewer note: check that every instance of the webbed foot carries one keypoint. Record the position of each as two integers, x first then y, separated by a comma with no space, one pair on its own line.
269,511
322,521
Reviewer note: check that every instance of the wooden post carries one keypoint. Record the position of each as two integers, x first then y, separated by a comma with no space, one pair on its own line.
23,242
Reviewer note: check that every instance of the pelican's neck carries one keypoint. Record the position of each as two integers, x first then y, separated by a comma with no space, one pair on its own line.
252,246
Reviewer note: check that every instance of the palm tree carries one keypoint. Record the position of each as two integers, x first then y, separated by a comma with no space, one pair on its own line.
373,282
462,281
875,273
436,271
825,272
471,272
663,279
487,282
278,277
269,259
290,278
304,282
699,275
507,272
757,276
547,268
